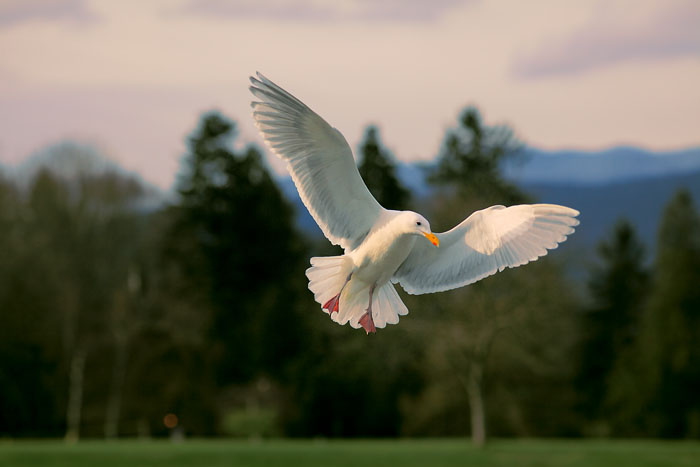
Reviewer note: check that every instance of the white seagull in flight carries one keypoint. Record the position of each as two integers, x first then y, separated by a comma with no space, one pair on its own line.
382,246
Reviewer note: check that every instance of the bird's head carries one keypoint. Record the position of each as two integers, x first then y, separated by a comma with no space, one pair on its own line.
416,224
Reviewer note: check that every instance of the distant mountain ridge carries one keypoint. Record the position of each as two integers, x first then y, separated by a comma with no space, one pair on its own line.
623,163
71,160
640,201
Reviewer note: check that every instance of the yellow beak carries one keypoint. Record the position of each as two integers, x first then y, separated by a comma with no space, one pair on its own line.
433,239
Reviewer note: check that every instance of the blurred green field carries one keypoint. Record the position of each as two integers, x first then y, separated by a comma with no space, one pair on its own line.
405,453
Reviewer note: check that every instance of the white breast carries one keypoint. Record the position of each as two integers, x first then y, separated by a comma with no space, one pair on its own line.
380,256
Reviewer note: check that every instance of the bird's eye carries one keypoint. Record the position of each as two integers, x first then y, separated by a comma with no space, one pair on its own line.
418,223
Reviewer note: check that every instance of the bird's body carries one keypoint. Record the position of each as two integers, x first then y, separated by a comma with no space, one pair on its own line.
382,252
383,247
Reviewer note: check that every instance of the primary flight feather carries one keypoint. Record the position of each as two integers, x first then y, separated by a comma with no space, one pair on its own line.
382,246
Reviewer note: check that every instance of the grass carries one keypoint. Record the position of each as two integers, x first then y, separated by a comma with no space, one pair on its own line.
365,453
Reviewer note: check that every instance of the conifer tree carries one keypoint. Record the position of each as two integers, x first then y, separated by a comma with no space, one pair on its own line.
618,287
235,239
379,172
670,331
471,159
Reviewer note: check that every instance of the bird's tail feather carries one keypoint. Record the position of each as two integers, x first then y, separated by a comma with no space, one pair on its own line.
387,306
327,275
327,278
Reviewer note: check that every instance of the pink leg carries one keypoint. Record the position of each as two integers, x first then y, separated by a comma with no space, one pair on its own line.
366,320
332,305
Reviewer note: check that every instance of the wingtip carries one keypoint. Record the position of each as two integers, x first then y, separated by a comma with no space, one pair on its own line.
569,211
255,91
259,81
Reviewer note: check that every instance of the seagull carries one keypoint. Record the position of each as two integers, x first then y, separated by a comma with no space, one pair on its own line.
383,247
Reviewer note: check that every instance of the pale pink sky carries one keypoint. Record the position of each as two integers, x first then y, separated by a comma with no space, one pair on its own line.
133,77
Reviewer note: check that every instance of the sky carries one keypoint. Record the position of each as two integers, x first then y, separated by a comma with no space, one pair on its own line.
133,77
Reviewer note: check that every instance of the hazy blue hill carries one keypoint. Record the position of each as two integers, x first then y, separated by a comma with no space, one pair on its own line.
640,201
611,165
607,185
70,160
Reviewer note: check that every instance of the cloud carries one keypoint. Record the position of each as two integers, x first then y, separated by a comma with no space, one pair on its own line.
316,10
19,11
611,37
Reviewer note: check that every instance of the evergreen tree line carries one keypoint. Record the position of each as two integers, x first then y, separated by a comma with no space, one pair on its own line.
118,319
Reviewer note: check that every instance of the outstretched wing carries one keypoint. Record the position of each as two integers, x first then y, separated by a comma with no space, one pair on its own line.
486,242
320,162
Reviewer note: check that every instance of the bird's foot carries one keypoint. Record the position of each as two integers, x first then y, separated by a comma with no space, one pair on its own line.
367,322
331,306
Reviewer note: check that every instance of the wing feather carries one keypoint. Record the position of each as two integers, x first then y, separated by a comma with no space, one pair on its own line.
320,162
486,242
